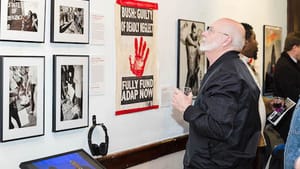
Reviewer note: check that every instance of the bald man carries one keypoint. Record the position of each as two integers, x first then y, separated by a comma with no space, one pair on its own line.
224,123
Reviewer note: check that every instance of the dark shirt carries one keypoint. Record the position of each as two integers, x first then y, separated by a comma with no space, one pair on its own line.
224,120
286,84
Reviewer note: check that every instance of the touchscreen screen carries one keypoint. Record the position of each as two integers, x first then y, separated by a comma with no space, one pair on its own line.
77,159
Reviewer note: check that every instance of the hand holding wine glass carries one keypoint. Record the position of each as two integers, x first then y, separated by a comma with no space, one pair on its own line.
278,103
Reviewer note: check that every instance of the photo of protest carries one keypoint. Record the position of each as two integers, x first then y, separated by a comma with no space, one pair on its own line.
22,16
22,96
71,20
71,92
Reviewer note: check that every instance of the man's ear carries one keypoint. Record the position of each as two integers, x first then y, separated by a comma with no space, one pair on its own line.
227,41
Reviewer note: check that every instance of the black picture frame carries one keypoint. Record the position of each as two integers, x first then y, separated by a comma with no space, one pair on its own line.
190,69
271,52
70,21
70,92
23,21
22,97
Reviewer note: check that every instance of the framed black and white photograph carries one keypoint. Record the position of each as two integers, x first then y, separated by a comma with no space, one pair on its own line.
22,97
23,20
71,92
272,49
191,62
70,21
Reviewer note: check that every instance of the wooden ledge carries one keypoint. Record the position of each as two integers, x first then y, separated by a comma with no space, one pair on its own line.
135,156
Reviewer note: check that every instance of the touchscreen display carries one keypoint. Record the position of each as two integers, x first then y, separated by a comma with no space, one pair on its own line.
77,159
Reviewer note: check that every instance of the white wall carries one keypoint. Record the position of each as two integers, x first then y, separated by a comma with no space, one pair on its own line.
132,130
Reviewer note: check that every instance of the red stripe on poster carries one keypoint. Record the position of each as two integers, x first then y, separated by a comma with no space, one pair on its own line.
138,4
136,110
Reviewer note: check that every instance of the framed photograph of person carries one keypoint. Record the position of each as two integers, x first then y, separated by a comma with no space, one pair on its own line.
271,53
191,63
22,97
23,20
70,92
70,21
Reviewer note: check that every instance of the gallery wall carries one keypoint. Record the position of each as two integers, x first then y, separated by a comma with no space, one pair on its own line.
136,129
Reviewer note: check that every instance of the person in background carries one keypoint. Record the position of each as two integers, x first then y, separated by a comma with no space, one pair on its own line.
292,145
27,22
34,22
224,122
287,78
248,54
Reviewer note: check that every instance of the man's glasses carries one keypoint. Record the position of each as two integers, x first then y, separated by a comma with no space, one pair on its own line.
212,30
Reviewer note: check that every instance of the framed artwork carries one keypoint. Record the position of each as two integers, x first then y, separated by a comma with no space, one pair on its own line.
22,97
70,21
191,64
71,92
272,49
23,20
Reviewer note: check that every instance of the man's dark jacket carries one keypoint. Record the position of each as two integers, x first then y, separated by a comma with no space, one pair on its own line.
286,84
224,120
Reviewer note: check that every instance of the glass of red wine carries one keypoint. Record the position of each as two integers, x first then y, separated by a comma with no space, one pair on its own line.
278,103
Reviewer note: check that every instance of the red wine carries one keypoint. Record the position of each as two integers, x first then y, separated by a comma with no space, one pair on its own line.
277,105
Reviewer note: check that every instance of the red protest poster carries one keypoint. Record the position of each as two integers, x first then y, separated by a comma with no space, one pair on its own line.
136,56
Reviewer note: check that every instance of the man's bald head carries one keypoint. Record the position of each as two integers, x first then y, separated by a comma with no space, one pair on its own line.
234,29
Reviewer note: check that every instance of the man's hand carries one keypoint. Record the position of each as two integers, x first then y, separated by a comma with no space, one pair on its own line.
137,63
180,101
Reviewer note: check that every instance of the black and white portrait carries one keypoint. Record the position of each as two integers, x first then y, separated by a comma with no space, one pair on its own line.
191,62
22,96
22,15
71,20
23,20
71,92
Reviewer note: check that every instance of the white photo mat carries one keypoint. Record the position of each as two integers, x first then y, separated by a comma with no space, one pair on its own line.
23,132
35,6
56,36
59,61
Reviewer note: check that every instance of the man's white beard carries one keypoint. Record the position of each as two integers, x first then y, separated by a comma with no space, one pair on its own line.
208,46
